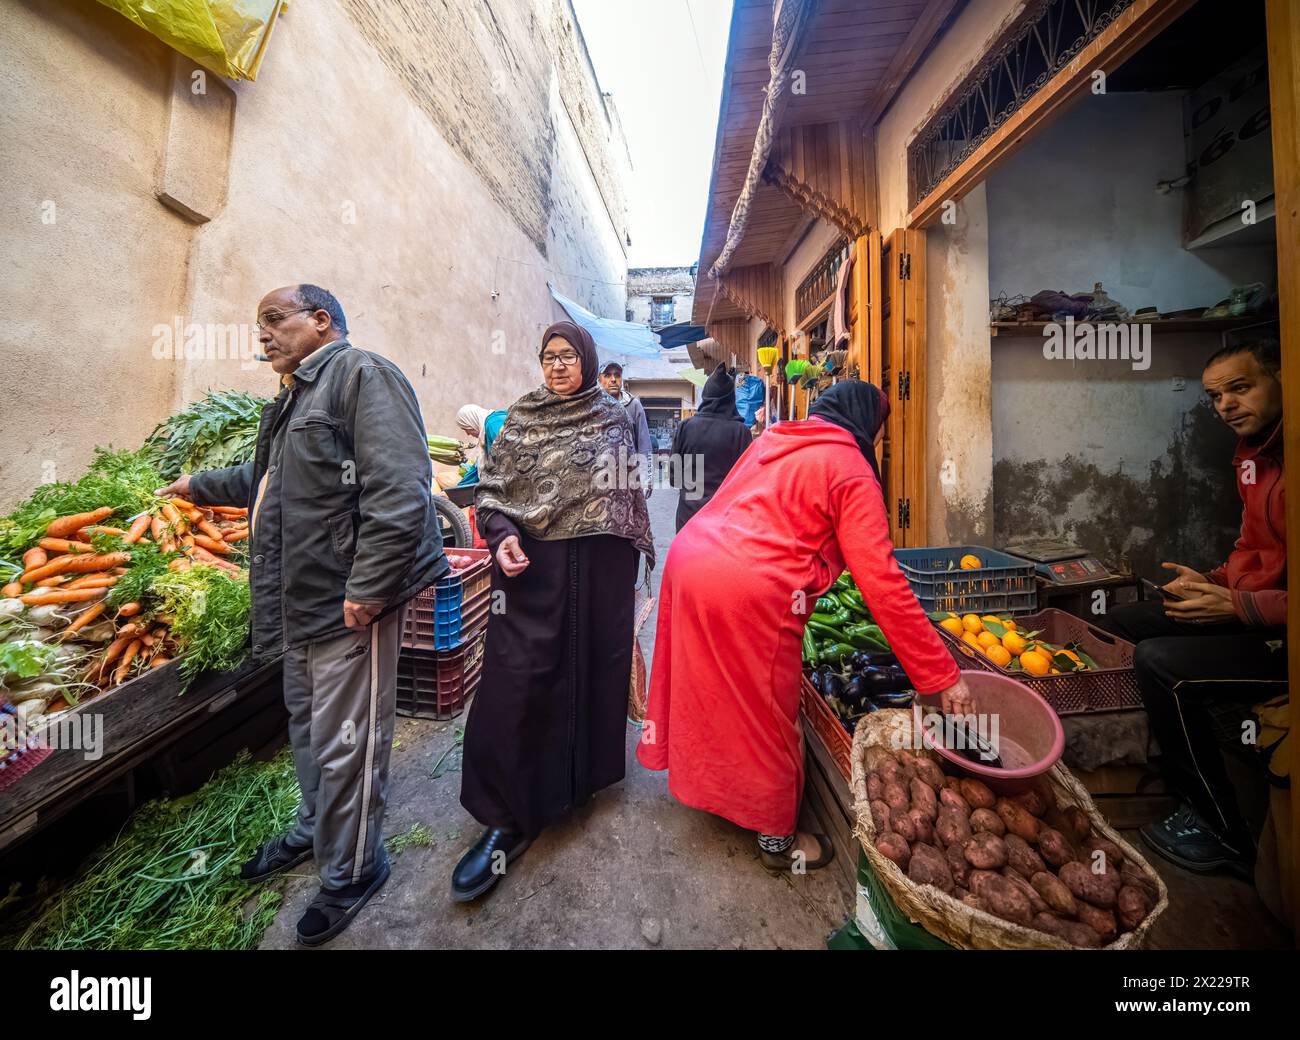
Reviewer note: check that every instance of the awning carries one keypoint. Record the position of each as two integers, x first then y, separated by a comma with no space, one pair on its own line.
681,334
611,335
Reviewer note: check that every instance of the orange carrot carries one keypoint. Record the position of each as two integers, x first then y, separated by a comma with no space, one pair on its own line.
128,609
46,596
119,570
230,510
159,661
125,665
66,526
76,582
168,545
235,536
63,545
36,557
50,583
210,529
138,529
13,589
77,564
157,528
100,529
85,618
171,513
106,581
213,545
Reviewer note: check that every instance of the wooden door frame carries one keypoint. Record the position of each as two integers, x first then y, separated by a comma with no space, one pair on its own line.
1284,101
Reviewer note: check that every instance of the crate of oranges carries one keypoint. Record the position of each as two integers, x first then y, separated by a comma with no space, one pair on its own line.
1075,666
970,578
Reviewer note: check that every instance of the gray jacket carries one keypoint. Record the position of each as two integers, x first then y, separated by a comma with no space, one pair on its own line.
347,511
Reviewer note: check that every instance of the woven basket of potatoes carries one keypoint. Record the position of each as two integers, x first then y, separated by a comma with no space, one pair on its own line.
1037,870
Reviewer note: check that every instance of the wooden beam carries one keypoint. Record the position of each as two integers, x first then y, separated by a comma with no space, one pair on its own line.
922,35
1118,42
1284,100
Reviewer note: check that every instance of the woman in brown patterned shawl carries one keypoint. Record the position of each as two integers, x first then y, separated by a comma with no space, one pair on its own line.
562,510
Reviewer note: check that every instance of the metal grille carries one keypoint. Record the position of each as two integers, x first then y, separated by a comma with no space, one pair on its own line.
1051,34
818,286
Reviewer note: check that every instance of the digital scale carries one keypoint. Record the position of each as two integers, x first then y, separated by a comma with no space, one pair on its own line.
1058,562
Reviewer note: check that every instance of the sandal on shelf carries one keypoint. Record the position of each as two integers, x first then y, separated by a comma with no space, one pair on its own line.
333,910
273,857
784,861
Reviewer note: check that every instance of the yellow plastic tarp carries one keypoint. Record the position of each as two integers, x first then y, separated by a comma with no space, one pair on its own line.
228,37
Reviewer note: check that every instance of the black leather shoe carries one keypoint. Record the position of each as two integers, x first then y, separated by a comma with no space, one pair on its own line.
273,857
482,866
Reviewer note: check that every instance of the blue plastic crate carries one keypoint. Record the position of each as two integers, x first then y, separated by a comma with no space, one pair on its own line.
452,609
1004,585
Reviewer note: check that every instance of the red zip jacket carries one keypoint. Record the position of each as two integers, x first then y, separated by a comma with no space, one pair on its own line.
1256,567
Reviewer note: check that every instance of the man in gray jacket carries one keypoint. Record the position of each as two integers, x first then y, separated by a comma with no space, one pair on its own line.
611,378
343,534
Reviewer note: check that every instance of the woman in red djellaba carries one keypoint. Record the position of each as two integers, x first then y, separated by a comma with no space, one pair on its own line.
802,504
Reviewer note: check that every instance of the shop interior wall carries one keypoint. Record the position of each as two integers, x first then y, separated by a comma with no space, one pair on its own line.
337,175
1095,451
958,420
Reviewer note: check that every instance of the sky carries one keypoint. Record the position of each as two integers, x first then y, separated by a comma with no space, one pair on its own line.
662,61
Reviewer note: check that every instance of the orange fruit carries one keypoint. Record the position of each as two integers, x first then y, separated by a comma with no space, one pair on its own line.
1035,663
1014,643
1056,671
953,625
972,623
999,655
969,637
1009,623
970,562
987,639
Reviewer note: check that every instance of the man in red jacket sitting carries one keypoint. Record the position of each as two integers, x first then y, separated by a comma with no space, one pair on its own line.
1219,640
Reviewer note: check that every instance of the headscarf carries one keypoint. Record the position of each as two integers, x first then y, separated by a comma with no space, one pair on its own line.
474,417
719,398
566,466
582,343
860,408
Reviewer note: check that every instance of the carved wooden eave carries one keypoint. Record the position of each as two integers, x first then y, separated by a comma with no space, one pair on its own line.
757,291
823,169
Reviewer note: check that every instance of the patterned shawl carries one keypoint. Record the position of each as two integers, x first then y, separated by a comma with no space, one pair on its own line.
565,467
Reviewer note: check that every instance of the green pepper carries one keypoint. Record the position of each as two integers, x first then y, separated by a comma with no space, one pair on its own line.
835,652
844,581
866,636
809,646
852,599
824,630
828,604
838,619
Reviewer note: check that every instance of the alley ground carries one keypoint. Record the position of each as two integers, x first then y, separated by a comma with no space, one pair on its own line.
632,869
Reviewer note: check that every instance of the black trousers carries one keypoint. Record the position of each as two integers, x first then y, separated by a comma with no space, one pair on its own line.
1198,682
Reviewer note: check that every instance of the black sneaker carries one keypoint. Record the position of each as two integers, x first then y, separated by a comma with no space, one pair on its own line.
1185,839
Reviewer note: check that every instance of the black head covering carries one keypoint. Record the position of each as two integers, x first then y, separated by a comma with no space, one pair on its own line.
719,397
858,407
582,343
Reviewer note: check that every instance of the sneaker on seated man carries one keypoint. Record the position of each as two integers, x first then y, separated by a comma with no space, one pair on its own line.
1216,645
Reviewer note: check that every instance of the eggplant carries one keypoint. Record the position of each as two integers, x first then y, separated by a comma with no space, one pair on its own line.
864,659
897,699
856,693
832,685
889,678
815,680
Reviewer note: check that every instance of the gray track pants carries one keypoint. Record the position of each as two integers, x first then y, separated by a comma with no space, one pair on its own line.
341,695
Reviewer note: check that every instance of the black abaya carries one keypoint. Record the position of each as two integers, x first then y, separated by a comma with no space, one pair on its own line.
547,727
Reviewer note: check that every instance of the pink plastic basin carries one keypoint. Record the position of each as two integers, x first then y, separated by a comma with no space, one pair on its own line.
1029,737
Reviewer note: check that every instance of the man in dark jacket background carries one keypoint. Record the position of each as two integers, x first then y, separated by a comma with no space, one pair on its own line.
713,439
344,533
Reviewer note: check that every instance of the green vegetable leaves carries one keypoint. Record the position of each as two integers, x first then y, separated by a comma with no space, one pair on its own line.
26,659
210,610
218,431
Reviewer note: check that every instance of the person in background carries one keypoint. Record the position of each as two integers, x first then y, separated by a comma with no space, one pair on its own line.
611,378
547,727
344,533
713,439
802,504
477,422
1217,644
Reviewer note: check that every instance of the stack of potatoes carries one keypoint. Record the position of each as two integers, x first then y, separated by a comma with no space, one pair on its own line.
1020,858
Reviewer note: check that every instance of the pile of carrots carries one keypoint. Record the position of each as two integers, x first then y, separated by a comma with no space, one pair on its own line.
64,568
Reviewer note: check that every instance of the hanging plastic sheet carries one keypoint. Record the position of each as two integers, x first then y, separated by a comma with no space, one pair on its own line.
229,37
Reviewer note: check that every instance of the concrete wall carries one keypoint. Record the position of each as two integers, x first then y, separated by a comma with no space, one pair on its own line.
958,401
1115,458
353,162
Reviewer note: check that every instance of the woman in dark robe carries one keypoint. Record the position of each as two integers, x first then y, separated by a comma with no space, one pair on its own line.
713,439
561,508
